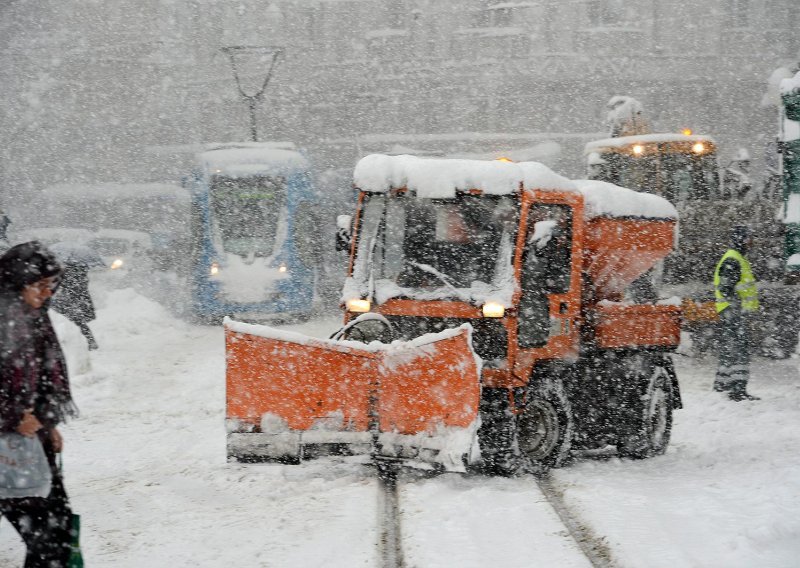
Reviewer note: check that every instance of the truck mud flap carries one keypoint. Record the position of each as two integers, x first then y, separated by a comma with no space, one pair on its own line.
286,392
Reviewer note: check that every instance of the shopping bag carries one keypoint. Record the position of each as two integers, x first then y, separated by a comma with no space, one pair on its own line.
24,471
75,557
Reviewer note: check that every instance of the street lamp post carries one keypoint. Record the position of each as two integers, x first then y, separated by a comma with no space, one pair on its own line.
252,99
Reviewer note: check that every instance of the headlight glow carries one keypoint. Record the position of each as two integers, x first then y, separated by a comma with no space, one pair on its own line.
117,264
282,268
214,270
358,306
638,149
493,310
699,148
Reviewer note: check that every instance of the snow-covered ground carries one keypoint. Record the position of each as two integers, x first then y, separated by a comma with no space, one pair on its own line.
145,466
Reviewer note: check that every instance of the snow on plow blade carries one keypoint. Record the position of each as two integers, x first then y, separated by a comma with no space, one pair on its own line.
286,392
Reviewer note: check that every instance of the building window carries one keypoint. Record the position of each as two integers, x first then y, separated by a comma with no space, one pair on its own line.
605,13
740,13
397,16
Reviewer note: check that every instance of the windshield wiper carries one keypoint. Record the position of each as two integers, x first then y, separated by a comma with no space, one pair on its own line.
431,270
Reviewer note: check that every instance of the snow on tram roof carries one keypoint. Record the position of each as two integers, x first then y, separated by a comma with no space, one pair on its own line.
621,141
253,158
438,178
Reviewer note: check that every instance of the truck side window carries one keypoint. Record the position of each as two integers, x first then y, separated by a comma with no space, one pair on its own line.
546,268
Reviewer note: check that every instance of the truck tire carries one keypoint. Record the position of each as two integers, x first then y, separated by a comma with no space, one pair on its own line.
649,423
546,426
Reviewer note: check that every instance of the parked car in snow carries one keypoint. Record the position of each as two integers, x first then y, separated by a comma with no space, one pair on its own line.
123,251
49,236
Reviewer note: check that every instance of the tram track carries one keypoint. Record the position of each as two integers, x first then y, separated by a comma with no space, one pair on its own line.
390,479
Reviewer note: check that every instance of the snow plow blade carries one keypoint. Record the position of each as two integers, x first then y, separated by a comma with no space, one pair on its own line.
287,393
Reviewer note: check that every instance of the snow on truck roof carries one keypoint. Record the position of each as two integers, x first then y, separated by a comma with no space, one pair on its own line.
253,158
437,178
603,199
620,141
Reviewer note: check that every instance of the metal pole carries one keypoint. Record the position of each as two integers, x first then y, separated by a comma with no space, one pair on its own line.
251,102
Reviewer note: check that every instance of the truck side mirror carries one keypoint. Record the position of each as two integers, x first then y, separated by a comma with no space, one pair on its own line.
343,232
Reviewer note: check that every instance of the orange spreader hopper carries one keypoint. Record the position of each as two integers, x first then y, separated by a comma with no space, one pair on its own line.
416,399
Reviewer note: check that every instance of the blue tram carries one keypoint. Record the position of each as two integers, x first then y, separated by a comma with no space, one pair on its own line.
254,250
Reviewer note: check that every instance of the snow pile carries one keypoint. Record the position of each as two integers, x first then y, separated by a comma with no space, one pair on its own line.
73,344
625,116
606,199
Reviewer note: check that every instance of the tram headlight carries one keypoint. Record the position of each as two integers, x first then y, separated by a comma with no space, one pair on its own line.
358,305
282,268
118,262
214,270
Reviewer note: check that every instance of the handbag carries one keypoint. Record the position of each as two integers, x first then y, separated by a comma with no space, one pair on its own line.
24,470
75,555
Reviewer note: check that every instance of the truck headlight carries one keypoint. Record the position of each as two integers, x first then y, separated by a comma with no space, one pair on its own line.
493,310
358,306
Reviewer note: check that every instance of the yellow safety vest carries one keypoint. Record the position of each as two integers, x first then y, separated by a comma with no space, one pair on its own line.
745,287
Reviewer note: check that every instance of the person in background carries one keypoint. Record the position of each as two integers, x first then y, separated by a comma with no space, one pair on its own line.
73,299
4,223
34,395
736,300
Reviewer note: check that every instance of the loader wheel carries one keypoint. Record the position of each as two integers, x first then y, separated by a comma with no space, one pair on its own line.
649,430
545,428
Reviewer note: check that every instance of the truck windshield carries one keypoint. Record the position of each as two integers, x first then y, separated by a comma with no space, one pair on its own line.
444,247
245,213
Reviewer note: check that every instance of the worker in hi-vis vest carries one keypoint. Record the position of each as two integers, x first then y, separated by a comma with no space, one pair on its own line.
736,300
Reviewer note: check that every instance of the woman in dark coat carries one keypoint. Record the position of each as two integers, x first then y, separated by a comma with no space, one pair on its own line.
34,394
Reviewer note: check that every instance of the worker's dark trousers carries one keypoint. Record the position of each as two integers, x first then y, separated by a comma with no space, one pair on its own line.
734,351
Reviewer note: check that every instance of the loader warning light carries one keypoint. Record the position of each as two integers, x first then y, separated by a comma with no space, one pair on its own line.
686,131
358,306
504,159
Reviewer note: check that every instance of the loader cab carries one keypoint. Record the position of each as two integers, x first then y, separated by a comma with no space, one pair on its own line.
679,167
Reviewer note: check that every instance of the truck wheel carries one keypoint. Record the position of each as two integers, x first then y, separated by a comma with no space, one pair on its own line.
648,432
545,428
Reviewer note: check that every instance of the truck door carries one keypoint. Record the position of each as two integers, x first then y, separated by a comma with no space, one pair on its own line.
550,290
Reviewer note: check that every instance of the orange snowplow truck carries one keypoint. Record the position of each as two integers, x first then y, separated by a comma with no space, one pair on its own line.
495,316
